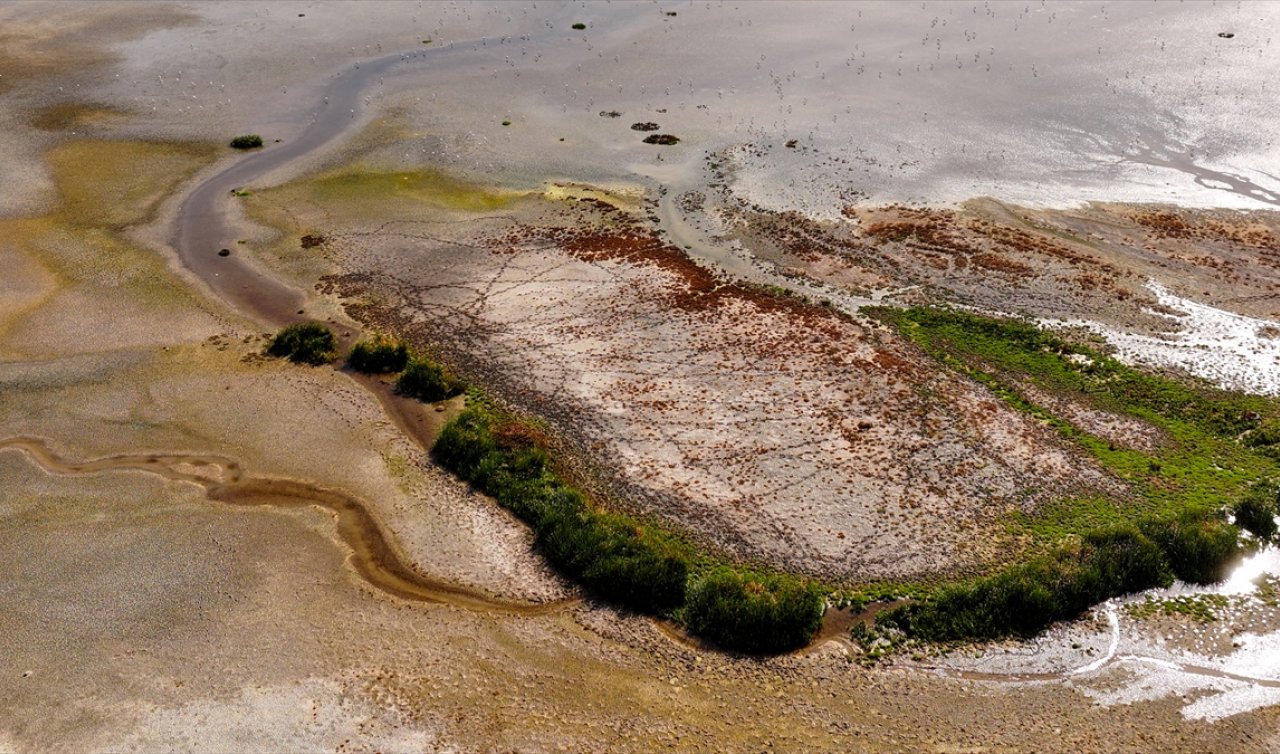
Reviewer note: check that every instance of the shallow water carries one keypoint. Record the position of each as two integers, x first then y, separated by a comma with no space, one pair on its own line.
1031,102
1034,103
1235,351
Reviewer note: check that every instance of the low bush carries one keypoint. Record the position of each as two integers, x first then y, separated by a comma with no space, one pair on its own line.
305,343
1265,435
379,355
247,141
1199,548
754,612
466,441
1024,599
427,381
1256,511
615,557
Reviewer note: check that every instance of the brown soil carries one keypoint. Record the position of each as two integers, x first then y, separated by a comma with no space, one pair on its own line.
759,424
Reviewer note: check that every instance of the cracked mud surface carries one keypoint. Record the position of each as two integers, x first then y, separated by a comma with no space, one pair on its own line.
148,617
780,432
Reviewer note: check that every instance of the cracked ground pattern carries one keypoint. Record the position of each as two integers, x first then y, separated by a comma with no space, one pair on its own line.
778,431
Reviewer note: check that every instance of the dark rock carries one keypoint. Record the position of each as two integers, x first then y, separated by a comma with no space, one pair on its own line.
311,241
224,252
1226,34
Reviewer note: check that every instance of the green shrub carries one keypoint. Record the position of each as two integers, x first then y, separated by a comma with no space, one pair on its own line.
466,441
427,381
1256,511
754,612
380,355
305,343
1024,599
579,26
1199,549
1213,440
247,141
614,557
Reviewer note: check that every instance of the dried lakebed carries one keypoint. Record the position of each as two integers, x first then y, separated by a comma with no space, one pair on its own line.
372,554
196,623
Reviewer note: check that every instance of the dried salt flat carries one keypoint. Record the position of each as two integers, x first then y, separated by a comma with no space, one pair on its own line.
1229,349
1207,696
1216,698
1212,688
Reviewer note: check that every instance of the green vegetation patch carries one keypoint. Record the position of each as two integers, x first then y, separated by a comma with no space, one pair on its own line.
246,141
427,381
618,557
1268,590
380,354
305,343
429,186
1207,463
755,612
1218,455
1023,599
1256,511
614,556
1200,607
1200,549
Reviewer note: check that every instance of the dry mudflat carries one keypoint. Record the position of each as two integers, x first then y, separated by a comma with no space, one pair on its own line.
775,430
176,518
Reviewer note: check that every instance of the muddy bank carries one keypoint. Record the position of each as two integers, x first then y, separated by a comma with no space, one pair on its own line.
373,554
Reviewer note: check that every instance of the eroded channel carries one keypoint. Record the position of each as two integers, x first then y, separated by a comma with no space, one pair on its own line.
372,552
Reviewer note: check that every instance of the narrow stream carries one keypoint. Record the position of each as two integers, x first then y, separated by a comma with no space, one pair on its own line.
373,555
201,228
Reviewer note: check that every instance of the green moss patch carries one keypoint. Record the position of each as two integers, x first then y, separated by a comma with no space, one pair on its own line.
380,354
618,557
1218,459
429,186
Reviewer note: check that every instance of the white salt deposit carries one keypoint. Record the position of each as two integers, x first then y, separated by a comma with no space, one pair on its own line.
1229,349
